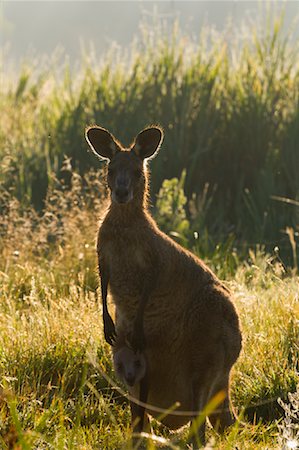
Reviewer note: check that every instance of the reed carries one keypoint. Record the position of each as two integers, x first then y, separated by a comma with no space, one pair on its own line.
230,111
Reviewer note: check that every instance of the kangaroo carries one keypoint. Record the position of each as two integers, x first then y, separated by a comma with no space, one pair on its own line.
174,307
131,368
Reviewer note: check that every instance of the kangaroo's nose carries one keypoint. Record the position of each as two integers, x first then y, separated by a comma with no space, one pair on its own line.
130,380
122,193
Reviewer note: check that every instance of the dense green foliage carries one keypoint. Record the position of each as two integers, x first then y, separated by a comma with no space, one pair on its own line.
230,111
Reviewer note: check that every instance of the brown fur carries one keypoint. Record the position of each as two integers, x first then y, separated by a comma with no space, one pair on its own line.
190,325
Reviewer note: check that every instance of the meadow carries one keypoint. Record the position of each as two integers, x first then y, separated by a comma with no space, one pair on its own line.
58,386
225,185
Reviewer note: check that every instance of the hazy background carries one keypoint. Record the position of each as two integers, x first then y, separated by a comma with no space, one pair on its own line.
37,28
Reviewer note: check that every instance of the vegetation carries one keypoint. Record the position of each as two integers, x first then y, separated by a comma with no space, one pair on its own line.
58,387
229,107
225,185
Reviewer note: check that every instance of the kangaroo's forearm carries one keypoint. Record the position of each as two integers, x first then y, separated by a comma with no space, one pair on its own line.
109,328
104,275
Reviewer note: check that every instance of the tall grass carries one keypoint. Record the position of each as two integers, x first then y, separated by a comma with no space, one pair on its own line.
54,362
230,111
231,120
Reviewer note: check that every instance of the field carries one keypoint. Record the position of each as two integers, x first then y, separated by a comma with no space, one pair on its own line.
225,185
56,368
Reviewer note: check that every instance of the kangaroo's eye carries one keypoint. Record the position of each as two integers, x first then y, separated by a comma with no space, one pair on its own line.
119,367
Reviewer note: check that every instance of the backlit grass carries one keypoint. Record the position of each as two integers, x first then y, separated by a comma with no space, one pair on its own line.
229,107
54,362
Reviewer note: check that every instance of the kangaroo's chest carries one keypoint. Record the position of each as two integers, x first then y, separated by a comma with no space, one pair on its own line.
128,264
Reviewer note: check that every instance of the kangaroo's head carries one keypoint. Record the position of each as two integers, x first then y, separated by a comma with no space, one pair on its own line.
129,366
126,169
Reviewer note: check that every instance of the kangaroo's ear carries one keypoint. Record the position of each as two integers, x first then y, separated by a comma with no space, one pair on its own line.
148,142
101,142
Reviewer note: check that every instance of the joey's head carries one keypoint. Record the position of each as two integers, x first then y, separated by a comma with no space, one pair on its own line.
126,167
130,367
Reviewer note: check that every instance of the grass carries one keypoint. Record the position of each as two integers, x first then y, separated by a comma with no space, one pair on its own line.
55,366
229,107
226,186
